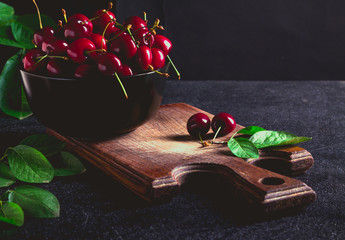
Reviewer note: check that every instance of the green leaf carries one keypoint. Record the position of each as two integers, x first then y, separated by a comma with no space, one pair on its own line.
24,28
275,138
251,130
243,148
30,165
6,176
6,11
46,144
11,90
12,213
35,201
69,165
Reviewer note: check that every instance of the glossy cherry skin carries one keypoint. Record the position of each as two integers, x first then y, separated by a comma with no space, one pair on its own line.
99,41
83,70
224,121
123,46
30,60
81,19
109,64
111,32
101,19
158,58
44,34
136,23
58,47
144,37
198,125
143,58
76,30
58,67
78,50
126,70
162,43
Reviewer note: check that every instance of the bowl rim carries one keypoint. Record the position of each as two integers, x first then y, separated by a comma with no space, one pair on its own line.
75,79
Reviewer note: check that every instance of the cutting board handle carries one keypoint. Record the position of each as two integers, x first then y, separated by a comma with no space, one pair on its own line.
264,189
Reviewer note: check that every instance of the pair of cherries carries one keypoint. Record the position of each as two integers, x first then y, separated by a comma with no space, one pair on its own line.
98,44
199,124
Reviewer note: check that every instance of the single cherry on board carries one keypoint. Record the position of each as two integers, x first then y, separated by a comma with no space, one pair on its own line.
198,125
223,123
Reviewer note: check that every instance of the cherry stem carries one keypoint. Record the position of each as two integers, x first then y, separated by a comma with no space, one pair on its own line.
130,34
123,88
105,29
45,56
39,14
110,6
162,74
39,60
145,17
173,65
127,29
215,135
96,50
202,142
64,14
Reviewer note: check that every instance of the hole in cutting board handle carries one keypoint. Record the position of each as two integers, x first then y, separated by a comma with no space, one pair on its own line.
272,181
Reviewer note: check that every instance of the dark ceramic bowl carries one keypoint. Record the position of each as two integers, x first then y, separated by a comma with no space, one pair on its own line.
94,107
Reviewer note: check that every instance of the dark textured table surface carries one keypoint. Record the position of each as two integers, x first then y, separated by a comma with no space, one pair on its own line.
93,206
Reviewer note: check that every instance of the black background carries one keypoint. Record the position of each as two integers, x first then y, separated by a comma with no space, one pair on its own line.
274,39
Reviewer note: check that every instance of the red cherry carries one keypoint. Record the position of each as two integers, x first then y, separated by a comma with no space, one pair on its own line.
158,58
162,43
225,122
81,19
101,18
143,58
83,70
123,46
57,67
198,125
136,23
144,37
109,64
78,50
111,31
126,70
44,34
99,41
76,30
31,61
58,47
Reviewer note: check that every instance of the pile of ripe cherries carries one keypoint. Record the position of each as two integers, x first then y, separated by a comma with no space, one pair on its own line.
82,46
199,124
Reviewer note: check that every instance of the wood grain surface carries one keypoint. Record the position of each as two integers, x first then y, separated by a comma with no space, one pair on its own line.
154,160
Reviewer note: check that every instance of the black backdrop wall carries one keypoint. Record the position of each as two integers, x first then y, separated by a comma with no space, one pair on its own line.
234,39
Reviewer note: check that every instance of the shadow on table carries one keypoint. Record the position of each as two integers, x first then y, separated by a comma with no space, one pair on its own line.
210,189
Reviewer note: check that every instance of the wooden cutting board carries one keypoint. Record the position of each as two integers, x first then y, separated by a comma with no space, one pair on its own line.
154,160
